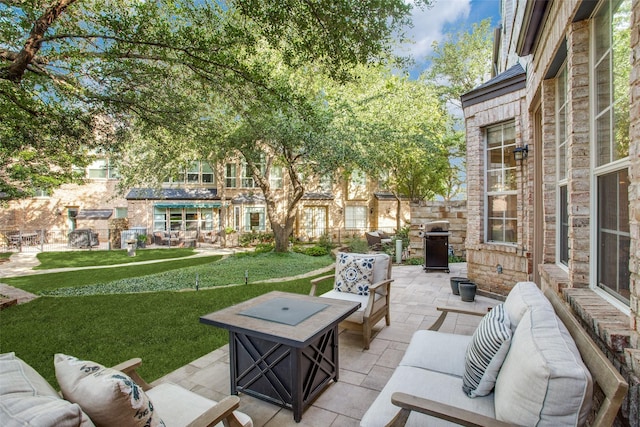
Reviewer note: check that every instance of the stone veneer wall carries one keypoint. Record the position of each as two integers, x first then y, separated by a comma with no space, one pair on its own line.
453,211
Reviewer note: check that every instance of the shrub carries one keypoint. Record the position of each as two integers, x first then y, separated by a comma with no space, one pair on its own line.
358,245
316,251
262,248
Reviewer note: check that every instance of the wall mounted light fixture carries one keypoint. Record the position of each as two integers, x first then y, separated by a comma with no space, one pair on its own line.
520,153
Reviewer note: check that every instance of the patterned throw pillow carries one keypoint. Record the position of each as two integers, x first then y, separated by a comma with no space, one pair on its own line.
108,396
354,274
486,352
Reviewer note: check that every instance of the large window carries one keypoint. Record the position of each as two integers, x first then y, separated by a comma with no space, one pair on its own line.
275,177
562,137
501,194
611,69
254,219
315,221
355,217
231,180
357,185
101,169
198,173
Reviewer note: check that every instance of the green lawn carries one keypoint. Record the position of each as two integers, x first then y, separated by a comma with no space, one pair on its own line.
86,258
161,327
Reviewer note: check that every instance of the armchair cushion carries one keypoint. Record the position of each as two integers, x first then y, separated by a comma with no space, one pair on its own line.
108,396
486,352
354,274
186,405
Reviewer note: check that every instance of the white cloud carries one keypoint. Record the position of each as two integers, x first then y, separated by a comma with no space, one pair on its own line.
428,26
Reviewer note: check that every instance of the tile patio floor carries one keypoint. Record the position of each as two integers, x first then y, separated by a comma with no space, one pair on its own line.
415,295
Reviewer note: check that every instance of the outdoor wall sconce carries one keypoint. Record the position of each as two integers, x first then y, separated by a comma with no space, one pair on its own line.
520,153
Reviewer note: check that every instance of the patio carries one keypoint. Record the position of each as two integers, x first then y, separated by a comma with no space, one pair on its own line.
415,296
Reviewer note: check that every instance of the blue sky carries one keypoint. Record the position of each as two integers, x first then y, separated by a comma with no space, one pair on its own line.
445,16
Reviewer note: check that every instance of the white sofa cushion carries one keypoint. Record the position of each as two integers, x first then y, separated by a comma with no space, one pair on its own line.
427,350
354,274
523,296
27,399
184,406
427,384
543,380
357,316
40,411
107,395
486,352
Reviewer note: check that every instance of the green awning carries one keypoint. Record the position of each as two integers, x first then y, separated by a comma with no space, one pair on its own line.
188,205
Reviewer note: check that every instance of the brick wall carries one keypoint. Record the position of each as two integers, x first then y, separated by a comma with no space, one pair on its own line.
483,258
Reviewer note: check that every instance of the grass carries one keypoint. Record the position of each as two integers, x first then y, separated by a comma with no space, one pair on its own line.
5,255
96,258
41,283
170,275
161,327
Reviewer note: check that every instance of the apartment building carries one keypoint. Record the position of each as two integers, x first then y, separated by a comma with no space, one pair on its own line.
206,199
553,166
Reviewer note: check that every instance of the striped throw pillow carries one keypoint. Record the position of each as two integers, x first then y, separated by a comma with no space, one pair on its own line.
486,352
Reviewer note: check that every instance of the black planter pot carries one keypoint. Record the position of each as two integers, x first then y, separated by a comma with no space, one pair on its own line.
467,291
455,282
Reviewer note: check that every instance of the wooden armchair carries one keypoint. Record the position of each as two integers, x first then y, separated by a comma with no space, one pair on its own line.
179,407
374,306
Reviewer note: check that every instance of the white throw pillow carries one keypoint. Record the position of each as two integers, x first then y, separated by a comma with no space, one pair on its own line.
486,352
354,274
108,396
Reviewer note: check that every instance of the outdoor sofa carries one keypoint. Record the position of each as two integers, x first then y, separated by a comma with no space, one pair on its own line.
95,395
528,363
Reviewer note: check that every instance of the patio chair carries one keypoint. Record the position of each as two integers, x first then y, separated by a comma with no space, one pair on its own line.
181,407
375,239
365,278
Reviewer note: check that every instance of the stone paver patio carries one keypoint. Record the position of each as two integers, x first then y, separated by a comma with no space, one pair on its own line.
415,296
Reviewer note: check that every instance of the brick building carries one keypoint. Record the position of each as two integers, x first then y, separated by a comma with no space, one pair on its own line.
203,200
553,167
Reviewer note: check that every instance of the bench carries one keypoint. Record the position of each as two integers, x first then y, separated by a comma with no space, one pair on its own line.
543,373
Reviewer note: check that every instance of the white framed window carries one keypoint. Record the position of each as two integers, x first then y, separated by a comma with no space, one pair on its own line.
231,178
501,195
275,177
611,68
562,138
315,221
101,169
357,184
326,183
355,217
122,212
254,218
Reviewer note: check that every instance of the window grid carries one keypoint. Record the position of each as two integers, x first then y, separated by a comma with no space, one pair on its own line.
501,182
562,137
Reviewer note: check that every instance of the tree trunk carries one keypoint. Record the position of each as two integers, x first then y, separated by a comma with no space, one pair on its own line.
281,235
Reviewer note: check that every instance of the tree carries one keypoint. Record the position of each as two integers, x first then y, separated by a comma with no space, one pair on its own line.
66,62
459,64
405,127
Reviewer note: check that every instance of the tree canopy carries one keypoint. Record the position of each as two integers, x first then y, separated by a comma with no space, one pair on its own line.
66,67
